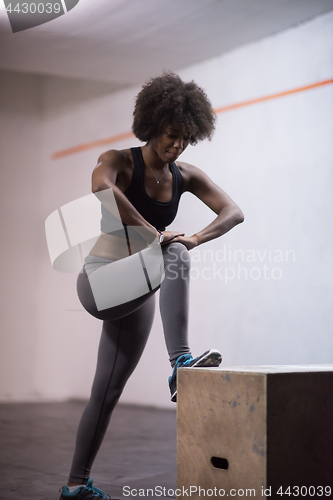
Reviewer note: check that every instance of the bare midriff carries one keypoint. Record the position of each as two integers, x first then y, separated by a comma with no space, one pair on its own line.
114,248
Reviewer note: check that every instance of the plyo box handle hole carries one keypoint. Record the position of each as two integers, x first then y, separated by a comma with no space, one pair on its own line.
219,463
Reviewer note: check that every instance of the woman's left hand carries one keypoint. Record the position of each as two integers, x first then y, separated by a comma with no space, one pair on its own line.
189,241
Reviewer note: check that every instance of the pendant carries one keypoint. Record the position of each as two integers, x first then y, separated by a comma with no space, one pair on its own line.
158,182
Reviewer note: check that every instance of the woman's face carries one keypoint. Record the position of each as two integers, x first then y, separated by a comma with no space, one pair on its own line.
171,143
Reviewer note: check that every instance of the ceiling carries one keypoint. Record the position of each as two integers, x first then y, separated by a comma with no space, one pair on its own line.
124,42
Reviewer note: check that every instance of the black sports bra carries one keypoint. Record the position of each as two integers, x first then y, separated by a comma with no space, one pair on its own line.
158,213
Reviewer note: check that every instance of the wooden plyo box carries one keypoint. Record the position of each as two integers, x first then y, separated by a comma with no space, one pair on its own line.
256,428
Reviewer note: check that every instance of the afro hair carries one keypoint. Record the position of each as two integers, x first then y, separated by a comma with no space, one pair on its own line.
167,100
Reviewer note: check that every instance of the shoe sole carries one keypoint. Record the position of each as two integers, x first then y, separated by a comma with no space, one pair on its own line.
174,397
211,358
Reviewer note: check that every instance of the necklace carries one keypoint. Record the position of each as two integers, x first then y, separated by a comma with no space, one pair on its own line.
157,180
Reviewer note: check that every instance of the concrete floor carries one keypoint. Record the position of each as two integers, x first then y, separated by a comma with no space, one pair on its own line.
37,440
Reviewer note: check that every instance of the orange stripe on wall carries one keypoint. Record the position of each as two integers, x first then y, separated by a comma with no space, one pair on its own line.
127,135
272,96
91,145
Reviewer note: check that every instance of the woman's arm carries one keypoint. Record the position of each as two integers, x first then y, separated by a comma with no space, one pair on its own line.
228,213
113,171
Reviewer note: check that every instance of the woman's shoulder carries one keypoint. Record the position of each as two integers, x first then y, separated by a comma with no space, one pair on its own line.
115,166
189,173
116,158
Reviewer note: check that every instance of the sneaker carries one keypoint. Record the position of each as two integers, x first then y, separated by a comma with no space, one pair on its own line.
87,492
208,358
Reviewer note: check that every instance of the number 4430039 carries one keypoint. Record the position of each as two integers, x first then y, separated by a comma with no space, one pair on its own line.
305,491
32,8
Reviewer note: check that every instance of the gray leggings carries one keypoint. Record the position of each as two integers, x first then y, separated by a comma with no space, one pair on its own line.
124,335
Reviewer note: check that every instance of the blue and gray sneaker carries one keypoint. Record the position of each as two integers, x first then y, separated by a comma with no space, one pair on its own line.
208,358
87,492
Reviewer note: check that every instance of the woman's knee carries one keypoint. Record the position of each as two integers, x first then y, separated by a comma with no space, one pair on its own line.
177,256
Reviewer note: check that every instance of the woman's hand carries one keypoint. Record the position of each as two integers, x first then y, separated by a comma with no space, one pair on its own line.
170,236
189,241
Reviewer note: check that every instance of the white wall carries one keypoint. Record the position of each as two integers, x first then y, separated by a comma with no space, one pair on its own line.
21,237
274,158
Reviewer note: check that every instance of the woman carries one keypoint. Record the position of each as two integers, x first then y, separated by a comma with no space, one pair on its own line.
146,184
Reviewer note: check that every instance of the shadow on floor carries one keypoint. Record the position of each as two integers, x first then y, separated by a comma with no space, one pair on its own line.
37,442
